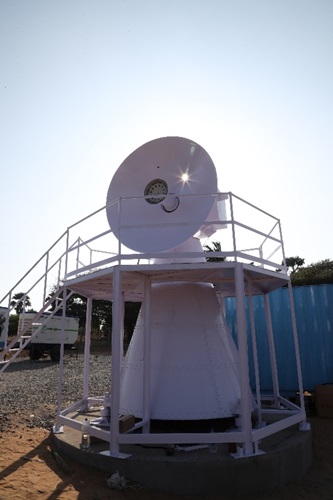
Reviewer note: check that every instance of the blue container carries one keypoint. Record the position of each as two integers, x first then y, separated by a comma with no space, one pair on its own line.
314,317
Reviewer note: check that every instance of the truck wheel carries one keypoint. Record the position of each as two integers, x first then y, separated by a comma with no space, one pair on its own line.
55,353
35,353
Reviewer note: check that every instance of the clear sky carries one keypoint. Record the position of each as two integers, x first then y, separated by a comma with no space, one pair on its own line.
84,83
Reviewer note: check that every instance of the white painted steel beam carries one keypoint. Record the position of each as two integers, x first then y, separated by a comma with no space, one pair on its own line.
87,339
272,355
245,403
275,427
255,353
61,361
182,437
296,344
147,355
117,326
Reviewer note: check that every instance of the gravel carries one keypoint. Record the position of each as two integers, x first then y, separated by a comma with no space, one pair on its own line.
29,390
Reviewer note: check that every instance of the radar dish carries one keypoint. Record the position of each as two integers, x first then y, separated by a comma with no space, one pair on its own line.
146,207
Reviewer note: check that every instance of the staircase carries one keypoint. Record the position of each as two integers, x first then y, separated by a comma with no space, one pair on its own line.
69,256
27,334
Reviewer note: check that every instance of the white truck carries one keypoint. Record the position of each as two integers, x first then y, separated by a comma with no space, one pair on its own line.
49,338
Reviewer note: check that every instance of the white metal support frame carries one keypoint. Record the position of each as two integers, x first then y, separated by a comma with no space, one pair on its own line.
117,325
304,424
243,357
58,428
255,353
147,356
276,390
87,340
130,276
234,243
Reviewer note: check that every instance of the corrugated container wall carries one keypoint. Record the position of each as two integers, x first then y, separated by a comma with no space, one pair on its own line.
314,316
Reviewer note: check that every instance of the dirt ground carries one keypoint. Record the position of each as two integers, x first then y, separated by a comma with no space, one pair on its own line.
29,470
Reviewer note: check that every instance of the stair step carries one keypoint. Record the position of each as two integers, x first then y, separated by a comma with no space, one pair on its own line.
26,337
14,349
3,362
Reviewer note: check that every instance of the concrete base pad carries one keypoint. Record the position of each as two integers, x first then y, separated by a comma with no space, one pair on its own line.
287,456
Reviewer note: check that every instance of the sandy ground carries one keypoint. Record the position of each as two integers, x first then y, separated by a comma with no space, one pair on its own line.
29,470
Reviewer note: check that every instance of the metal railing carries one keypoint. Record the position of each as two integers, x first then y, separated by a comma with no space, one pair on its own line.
247,234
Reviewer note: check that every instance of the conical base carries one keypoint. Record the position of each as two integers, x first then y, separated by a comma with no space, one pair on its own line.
194,373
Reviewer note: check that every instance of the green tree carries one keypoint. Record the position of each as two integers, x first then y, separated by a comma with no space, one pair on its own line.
102,316
76,305
294,263
318,273
215,247
132,310
13,325
20,302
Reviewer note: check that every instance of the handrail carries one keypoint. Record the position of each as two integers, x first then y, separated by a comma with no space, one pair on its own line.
253,206
70,242
234,222
33,267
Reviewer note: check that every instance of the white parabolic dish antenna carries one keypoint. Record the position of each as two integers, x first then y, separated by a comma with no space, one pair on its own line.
146,207
160,198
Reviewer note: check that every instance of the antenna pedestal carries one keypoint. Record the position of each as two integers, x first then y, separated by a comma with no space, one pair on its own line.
193,372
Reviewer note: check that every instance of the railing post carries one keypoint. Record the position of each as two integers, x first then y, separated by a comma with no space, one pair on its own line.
66,254
78,253
45,279
6,325
59,273
282,246
261,255
233,225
